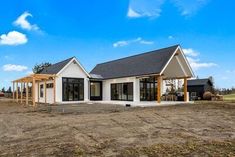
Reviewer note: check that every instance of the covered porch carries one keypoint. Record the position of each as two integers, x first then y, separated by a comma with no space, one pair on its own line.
24,89
170,84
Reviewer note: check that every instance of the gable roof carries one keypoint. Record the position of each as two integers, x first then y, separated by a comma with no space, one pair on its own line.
147,63
199,82
57,67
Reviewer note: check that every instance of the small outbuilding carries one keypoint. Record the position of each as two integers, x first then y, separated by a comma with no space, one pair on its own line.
197,87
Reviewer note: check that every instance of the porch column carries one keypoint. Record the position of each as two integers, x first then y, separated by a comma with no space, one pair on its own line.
38,91
159,90
17,96
54,89
33,91
13,90
45,91
27,93
21,93
185,89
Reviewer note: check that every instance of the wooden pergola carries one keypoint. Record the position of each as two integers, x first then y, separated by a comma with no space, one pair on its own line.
33,80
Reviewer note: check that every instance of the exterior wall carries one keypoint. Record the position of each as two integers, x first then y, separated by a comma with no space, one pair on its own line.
49,95
107,87
73,71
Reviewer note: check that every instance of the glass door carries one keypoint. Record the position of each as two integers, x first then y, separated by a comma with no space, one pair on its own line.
95,90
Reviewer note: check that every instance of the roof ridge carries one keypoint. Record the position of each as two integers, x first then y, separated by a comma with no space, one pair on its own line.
140,54
63,60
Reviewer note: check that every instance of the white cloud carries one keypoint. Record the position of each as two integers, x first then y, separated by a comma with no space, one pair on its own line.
23,23
131,13
143,8
170,37
190,52
13,38
194,61
196,64
128,42
13,67
29,72
189,7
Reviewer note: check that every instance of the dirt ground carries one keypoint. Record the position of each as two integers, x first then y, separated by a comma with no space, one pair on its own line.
201,129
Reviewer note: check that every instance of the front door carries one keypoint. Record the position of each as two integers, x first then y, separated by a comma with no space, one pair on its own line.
95,90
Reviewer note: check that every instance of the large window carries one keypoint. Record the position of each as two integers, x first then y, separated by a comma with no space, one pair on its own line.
73,89
148,89
122,91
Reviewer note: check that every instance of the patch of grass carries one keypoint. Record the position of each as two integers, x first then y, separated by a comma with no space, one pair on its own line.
229,97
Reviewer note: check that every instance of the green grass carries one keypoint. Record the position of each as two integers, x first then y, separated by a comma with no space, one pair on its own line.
229,97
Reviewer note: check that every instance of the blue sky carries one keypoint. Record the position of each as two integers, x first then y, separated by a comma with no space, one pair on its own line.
101,30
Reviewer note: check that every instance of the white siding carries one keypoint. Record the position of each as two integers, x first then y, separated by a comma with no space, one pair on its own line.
49,93
73,70
107,87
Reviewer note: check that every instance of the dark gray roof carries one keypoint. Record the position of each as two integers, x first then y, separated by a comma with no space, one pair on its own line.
142,64
199,82
55,68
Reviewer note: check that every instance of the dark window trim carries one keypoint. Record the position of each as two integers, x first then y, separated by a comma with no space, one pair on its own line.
79,99
101,91
148,81
122,90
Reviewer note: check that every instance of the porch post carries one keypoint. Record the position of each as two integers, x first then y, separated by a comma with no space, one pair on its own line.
38,91
17,96
45,91
33,91
27,93
13,90
21,93
185,89
159,85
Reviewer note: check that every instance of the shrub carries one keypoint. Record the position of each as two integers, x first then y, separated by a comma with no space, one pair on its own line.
207,96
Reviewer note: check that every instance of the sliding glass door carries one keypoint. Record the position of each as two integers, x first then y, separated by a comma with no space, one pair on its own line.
148,89
122,91
73,89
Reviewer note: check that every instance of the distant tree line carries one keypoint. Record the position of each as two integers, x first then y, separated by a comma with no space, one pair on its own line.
6,91
225,91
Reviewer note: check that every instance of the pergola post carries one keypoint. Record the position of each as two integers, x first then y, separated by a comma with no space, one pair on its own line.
45,91
27,93
54,89
21,93
33,91
185,89
159,85
38,91
13,90
17,95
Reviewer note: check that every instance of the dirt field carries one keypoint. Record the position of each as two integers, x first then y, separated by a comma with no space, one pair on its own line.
205,129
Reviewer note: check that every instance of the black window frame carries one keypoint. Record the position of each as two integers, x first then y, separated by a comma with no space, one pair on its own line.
73,82
148,93
41,90
101,91
120,87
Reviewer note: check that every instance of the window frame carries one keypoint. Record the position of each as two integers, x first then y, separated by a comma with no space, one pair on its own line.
67,83
120,93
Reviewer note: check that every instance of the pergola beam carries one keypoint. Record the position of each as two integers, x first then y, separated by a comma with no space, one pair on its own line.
34,79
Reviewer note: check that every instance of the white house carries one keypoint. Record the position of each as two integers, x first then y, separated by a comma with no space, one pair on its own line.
135,78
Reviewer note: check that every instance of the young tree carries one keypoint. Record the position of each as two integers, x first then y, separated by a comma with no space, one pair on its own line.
9,90
38,68
3,90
